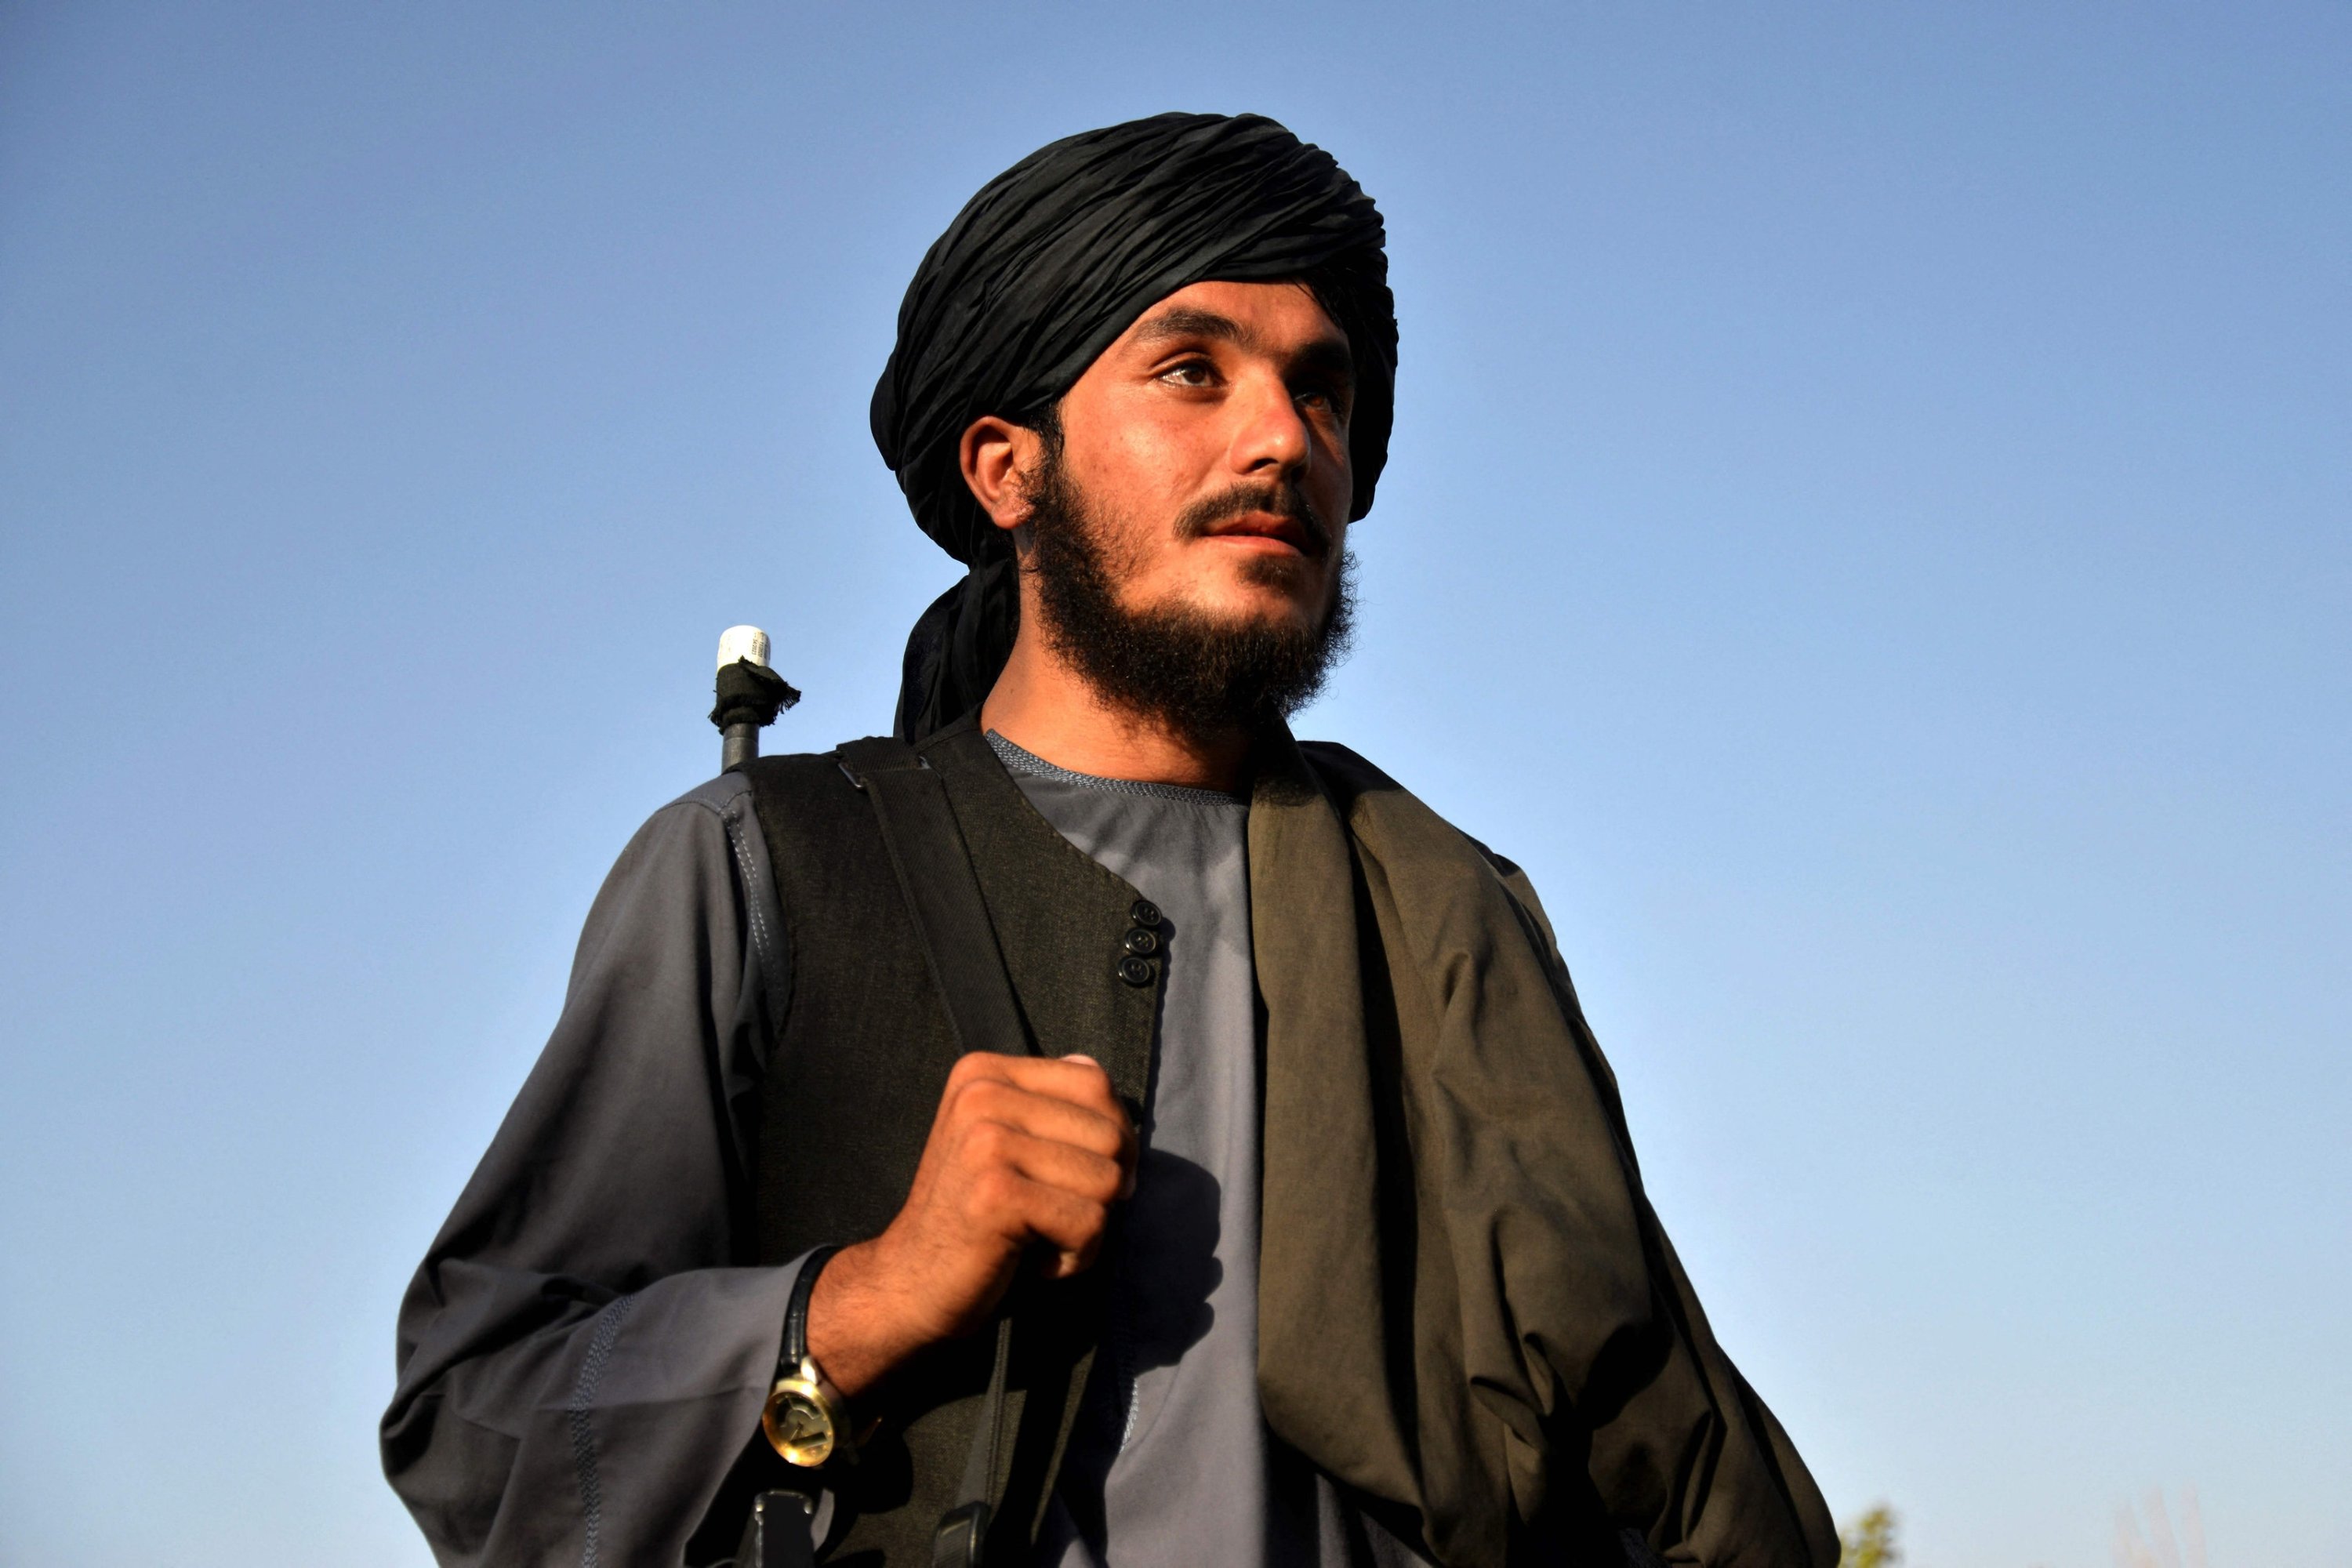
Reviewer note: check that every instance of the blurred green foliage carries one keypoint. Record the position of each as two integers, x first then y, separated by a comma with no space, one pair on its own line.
1869,1541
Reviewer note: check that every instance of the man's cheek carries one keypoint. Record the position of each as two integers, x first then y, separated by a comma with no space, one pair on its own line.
1145,455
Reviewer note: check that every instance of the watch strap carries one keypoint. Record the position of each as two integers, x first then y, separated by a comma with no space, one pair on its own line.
796,1311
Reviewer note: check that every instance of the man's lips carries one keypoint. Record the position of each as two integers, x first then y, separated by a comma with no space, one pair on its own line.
1264,526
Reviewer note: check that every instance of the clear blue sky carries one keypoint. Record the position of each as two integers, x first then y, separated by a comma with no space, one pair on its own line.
1868,528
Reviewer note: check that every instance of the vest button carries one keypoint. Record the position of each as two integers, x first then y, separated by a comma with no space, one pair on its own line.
1134,970
1141,942
1143,912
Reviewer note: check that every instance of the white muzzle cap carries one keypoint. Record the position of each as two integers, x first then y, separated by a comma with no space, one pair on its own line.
742,643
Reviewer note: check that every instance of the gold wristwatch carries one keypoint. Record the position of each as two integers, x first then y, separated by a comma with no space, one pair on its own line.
805,1419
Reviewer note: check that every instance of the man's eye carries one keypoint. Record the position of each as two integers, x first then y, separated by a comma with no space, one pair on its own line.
1328,399
1192,372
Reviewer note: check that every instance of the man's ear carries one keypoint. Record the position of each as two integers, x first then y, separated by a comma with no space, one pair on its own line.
998,458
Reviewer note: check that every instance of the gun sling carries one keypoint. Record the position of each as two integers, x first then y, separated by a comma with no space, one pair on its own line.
934,868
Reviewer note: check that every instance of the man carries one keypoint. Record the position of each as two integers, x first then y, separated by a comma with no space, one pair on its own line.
1108,1131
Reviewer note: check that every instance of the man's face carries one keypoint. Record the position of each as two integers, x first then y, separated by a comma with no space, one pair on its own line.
1209,447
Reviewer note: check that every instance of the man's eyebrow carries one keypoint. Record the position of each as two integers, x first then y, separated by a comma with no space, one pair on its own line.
1191,321
1328,356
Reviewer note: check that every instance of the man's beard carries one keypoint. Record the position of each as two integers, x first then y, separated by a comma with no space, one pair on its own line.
1201,677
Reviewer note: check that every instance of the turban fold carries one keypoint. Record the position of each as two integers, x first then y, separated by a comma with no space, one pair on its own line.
1050,262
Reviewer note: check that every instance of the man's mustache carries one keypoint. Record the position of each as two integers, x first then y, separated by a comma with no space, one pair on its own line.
1286,501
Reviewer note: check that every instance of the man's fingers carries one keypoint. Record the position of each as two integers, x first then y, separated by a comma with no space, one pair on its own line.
1027,1189
1098,1178
993,1147
1042,1116
1079,1079
1070,1225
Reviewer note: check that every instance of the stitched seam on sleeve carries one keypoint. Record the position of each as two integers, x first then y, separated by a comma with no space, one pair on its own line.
764,939
583,1435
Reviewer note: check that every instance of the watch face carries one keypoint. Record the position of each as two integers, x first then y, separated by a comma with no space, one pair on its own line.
798,1424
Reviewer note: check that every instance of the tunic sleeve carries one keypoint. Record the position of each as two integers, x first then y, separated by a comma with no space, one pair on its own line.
579,1362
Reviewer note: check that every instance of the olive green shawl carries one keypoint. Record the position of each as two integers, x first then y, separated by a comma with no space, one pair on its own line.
1468,1311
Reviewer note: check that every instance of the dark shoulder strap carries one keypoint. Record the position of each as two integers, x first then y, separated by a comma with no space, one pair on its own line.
926,851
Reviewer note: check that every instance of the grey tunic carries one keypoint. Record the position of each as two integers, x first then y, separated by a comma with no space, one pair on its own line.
578,1366
1172,1463
1168,1463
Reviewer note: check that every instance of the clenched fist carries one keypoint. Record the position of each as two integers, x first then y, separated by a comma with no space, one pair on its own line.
1024,1155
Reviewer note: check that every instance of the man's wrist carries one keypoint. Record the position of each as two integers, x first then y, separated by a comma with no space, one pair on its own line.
854,1327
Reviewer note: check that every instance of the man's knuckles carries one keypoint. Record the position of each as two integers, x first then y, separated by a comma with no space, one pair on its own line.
976,1066
1073,1224
973,1098
997,1197
1067,1078
992,1121
1096,1178
987,1142
1026,1171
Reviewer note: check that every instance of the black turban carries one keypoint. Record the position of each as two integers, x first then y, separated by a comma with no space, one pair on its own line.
1051,262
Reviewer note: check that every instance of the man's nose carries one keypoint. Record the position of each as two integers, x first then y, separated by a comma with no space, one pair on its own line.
1272,439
